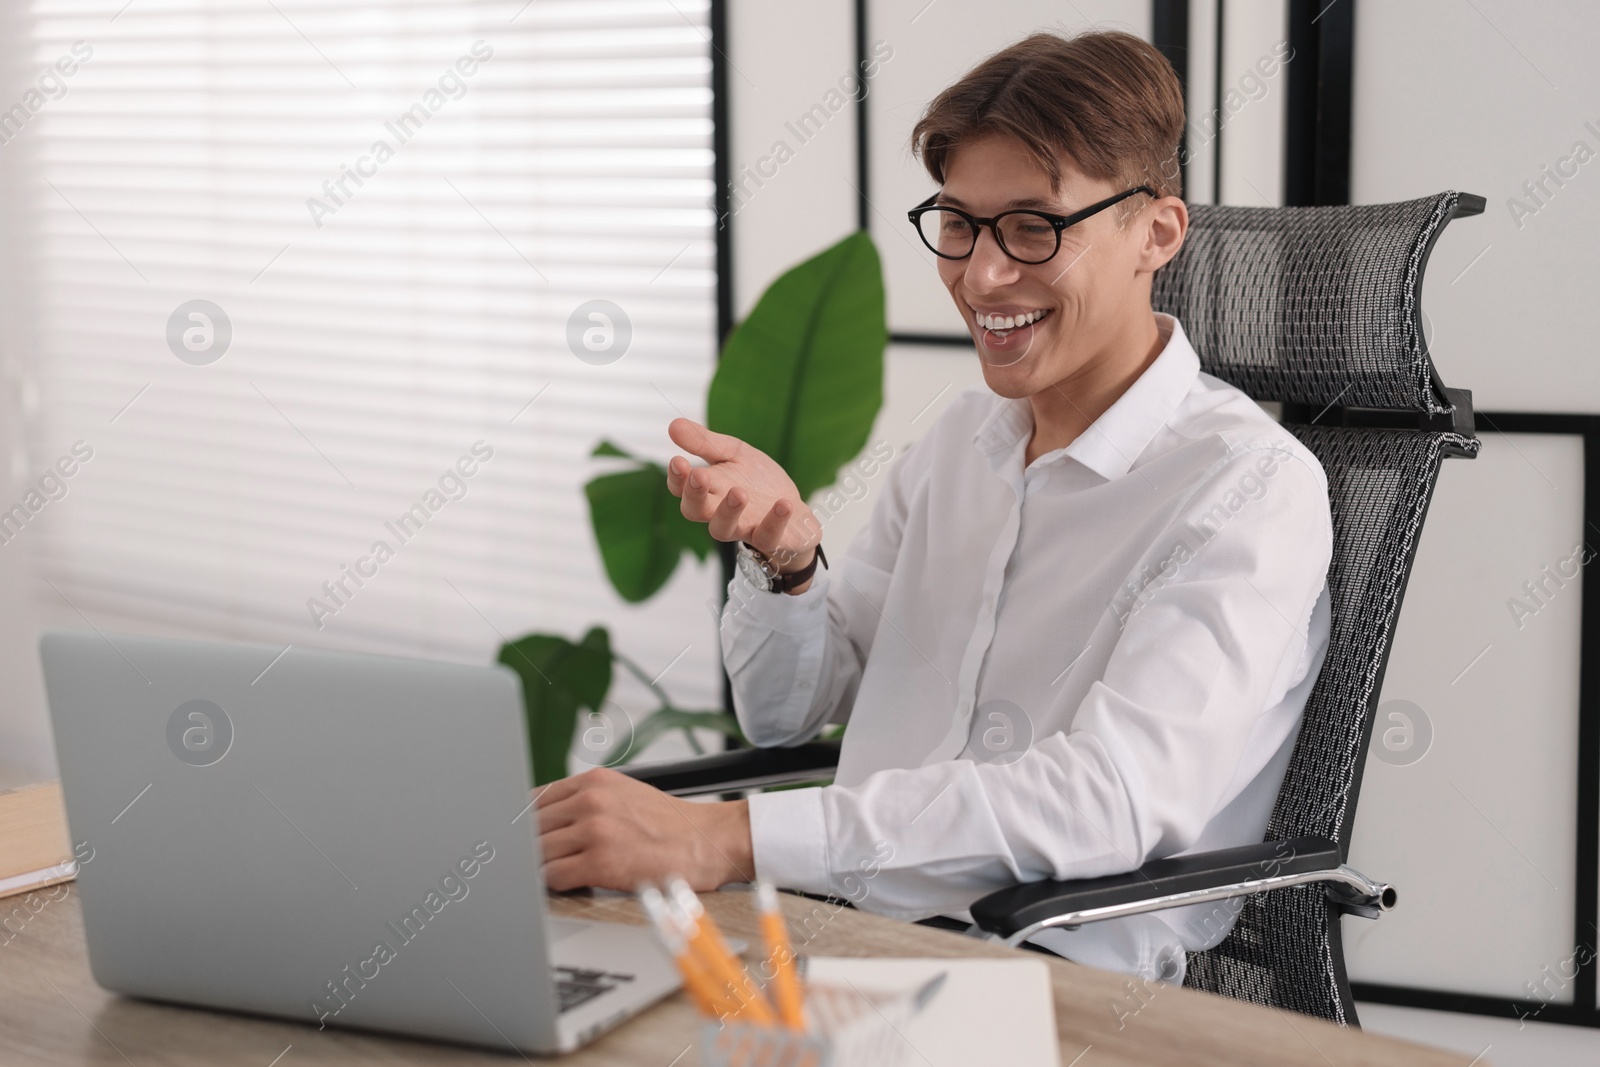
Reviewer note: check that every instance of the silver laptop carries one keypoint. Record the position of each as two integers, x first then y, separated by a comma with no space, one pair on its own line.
336,838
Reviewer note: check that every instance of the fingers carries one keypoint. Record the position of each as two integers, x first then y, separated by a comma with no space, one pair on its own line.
677,471
549,793
709,445
787,534
559,844
580,796
704,491
557,816
768,534
588,869
726,521
563,802
566,874
698,487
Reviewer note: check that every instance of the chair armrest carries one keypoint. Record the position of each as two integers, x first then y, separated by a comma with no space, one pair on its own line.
1018,912
744,768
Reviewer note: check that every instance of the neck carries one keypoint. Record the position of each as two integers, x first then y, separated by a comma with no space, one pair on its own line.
1061,412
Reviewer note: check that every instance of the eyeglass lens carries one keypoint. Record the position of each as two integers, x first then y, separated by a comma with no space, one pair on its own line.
1026,236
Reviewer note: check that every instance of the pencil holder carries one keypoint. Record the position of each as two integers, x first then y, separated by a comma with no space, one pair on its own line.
848,1028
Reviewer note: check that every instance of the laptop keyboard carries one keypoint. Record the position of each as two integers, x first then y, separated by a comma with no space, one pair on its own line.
575,985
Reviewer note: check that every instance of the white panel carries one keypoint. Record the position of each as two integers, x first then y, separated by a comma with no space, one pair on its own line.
1483,97
934,45
373,346
1504,1042
1254,91
1200,185
793,141
1476,828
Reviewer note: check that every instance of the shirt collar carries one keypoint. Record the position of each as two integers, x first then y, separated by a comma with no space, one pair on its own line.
1114,440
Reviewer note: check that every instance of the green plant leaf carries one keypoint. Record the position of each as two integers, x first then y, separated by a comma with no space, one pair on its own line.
559,678
607,448
641,529
801,378
659,722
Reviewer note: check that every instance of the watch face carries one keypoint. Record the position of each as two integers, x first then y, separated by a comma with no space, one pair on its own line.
753,570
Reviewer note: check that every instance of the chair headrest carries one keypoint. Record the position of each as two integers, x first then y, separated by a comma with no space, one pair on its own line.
1313,305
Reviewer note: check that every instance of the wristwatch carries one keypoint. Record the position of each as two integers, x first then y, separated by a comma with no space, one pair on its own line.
764,574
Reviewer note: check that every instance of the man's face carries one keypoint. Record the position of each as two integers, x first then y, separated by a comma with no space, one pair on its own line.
1086,293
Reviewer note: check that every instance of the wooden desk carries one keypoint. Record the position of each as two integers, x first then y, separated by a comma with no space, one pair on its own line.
52,1012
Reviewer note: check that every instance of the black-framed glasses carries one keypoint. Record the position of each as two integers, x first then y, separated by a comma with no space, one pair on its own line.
1025,235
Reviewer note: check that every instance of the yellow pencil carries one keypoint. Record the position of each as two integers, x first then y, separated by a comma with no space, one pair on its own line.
696,982
785,982
713,953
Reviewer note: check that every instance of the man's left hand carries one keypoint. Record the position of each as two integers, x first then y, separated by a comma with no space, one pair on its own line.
602,828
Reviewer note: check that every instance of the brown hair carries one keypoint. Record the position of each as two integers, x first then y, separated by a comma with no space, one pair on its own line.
1107,99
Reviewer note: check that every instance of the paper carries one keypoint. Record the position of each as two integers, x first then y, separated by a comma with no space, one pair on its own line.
22,883
986,1011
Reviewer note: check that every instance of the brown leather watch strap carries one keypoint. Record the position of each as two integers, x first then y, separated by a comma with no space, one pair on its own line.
782,583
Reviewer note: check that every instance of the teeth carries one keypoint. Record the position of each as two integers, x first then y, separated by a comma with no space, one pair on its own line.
1009,322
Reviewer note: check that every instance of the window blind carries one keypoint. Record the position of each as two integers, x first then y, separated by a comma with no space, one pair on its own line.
389,212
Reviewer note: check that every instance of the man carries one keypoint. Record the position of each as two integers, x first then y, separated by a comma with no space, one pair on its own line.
1081,626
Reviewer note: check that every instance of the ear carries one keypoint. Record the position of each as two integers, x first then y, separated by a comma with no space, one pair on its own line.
1165,224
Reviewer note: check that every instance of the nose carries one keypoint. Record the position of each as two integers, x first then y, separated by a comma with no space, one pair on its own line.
989,268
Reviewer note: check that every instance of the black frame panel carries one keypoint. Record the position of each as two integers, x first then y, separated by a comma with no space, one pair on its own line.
1317,119
1169,32
722,178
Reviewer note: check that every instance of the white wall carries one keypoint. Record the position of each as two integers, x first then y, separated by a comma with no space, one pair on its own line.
784,59
1254,91
1482,97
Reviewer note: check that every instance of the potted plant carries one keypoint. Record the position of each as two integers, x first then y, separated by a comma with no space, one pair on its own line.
801,378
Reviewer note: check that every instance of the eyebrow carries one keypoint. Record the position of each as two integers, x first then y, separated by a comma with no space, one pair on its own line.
1031,202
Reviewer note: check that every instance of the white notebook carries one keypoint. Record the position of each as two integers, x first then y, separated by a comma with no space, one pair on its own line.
985,1011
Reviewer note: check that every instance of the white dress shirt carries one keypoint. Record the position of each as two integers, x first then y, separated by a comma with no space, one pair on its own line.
1061,671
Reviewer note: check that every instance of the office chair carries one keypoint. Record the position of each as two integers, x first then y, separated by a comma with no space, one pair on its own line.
1316,308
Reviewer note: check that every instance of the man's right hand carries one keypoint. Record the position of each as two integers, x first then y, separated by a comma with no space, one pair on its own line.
742,495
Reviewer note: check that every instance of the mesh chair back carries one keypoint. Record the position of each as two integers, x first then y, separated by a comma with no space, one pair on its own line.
1316,307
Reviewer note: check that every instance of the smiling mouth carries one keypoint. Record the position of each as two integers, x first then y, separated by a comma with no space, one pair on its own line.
1005,340
1000,325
